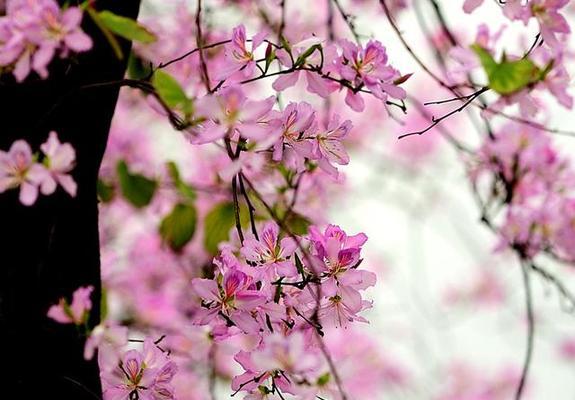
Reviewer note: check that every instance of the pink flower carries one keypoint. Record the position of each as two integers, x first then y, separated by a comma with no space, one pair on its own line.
229,111
234,300
336,251
271,254
316,84
33,31
76,312
289,354
113,336
470,5
329,146
293,126
18,168
59,162
145,375
238,57
253,380
546,12
343,307
367,67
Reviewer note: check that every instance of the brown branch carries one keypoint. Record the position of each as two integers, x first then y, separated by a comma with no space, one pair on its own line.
530,330
189,53
348,19
199,44
436,121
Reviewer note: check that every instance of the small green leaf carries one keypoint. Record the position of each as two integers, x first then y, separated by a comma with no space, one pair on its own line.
136,188
303,57
298,224
487,61
178,227
106,32
218,223
323,379
185,190
126,27
508,77
138,68
104,304
106,191
171,92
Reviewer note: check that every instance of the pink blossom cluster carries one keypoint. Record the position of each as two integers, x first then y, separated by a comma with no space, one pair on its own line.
294,134
125,374
145,374
285,299
33,32
546,12
535,183
326,68
20,168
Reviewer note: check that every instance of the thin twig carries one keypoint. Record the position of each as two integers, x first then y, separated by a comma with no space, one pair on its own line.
189,53
530,330
251,207
348,20
199,44
436,121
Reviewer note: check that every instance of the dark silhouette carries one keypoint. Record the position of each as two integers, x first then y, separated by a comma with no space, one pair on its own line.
50,249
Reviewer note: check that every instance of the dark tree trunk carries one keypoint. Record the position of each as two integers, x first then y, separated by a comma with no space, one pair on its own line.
50,249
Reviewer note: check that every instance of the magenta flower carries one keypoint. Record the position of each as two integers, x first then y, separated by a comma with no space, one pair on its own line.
238,57
59,162
367,67
144,375
18,168
293,126
76,312
234,299
336,251
271,254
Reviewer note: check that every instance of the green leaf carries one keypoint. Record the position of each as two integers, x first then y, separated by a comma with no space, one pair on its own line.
508,77
104,304
323,379
106,32
136,188
185,190
126,27
303,57
298,224
487,61
171,92
138,68
218,223
178,227
106,191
